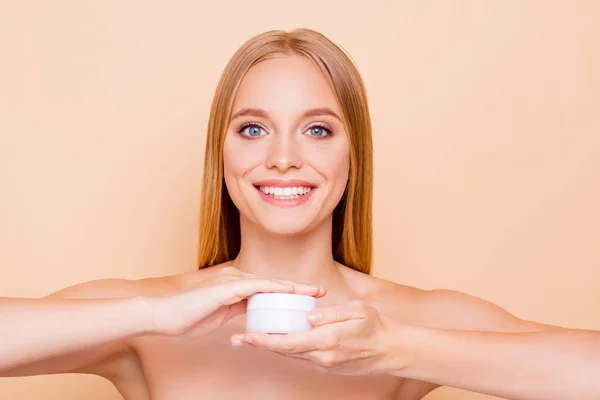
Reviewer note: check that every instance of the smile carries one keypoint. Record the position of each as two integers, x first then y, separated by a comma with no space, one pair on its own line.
285,193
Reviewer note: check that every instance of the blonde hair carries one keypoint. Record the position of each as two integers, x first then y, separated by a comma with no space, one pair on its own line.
352,218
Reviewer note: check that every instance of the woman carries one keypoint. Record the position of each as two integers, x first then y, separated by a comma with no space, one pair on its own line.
287,195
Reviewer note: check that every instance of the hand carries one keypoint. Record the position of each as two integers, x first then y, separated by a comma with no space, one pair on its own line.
349,339
216,300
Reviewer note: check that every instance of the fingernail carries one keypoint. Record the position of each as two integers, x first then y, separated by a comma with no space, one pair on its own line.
315,317
236,342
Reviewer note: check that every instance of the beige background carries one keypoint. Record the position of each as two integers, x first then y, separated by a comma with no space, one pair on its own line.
487,145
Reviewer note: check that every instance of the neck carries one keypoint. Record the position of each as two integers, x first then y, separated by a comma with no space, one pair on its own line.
305,258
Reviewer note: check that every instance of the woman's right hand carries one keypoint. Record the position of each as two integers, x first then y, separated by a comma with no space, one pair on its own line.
72,329
206,307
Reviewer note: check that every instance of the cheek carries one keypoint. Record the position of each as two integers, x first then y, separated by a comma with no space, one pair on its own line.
333,162
233,169
238,158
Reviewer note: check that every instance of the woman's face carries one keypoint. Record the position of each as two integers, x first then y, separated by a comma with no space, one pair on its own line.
286,153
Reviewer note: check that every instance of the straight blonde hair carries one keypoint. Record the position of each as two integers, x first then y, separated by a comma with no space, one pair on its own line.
352,218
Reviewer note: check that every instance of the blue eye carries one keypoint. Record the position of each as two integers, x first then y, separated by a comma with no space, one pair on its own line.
318,131
251,130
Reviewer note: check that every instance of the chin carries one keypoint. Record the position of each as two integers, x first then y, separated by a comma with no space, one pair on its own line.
289,225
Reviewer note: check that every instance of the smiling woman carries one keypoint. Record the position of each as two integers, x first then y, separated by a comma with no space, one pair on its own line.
291,144
289,107
286,208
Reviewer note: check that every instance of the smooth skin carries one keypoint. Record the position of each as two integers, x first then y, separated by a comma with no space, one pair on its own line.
35,329
356,339
376,339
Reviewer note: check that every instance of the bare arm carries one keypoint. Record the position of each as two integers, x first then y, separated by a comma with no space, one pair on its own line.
473,344
446,338
542,365
77,329
37,329
86,327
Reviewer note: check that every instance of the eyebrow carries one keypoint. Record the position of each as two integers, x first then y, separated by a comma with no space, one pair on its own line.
313,112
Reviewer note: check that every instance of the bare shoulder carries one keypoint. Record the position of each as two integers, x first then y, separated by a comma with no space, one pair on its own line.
111,288
153,286
193,278
448,309
387,295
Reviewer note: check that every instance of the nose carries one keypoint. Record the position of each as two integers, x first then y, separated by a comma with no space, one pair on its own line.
284,153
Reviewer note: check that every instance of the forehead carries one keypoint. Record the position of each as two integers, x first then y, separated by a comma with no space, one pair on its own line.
286,85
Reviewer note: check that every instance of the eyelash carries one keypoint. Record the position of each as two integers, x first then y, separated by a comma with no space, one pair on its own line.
324,127
254,124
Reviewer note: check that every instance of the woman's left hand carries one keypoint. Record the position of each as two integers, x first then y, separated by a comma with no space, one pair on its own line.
349,339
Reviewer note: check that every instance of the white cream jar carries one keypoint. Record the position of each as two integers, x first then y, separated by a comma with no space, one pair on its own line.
278,313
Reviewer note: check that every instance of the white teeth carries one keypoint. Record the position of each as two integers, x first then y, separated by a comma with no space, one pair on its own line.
286,193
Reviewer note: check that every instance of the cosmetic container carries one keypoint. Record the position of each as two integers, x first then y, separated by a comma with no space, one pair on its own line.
281,313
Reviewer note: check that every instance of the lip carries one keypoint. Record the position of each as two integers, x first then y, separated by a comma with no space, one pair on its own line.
284,183
284,203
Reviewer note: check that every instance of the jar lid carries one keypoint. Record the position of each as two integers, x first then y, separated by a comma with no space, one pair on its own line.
281,301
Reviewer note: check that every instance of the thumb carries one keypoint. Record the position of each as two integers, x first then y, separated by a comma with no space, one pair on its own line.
232,311
333,314
237,309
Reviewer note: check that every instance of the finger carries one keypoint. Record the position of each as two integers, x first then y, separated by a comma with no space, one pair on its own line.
238,340
236,309
295,343
339,313
297,286
234,291
320,292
